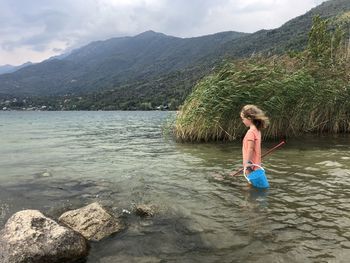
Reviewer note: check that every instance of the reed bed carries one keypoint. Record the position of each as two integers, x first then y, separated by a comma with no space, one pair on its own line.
299,97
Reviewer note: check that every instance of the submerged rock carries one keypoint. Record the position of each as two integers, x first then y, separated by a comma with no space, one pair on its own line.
30,237
145,210
92,221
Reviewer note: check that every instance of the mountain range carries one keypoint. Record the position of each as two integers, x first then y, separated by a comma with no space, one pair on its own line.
153,67
9,68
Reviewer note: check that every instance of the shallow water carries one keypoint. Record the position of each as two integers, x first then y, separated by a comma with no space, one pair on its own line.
55,161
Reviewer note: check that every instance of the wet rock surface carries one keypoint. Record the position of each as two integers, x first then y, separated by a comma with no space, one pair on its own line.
92,221
30,237
144,210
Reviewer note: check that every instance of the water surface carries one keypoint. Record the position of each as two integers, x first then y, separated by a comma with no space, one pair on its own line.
55,161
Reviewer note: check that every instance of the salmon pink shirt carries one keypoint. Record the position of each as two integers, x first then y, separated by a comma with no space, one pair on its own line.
253,134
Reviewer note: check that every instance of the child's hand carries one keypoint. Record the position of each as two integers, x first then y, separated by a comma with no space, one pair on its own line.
248,166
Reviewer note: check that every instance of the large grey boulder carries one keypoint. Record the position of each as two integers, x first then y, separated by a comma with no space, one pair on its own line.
92,221
30,237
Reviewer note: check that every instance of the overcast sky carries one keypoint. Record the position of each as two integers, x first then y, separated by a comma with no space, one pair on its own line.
38,29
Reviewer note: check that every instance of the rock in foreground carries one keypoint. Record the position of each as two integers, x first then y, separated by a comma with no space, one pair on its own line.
30,237
92,221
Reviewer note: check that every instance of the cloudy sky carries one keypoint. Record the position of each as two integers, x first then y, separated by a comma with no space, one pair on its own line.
38,29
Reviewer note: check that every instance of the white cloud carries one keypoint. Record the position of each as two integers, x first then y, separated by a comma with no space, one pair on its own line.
34,30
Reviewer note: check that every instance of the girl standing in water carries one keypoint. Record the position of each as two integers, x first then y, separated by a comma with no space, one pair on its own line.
255,119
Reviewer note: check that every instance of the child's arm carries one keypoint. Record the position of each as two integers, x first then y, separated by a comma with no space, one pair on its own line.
250,153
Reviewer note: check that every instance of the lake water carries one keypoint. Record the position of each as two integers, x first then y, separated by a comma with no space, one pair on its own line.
56,161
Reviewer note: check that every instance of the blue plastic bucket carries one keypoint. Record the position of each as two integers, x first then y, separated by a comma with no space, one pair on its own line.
257,178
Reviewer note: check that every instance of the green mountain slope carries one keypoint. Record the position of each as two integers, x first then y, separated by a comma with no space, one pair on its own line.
290,36
106,64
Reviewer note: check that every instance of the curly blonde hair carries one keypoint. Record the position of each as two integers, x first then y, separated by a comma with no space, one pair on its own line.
256,115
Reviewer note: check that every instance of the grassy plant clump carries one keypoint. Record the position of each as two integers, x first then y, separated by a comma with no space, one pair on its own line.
308,92
297,98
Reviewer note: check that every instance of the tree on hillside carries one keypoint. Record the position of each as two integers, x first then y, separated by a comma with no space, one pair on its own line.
325,45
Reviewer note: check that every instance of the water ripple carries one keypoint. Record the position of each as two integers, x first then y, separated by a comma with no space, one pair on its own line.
56,161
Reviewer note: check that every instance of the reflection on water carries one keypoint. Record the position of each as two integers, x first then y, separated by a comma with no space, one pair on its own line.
54,161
